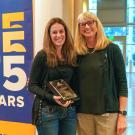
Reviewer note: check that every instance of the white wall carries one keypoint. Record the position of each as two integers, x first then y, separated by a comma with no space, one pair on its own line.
44,10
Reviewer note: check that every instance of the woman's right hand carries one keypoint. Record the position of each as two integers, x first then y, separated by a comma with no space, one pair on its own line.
58,101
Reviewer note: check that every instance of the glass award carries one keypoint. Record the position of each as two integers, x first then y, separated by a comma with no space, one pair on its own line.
62,88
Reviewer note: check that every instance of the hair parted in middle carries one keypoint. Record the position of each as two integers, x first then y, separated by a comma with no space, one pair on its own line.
68,50
80,41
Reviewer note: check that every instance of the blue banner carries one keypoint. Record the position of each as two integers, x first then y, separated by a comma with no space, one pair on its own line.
16,53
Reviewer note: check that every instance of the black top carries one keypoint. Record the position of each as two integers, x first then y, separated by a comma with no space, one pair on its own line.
91,68
62,71
102,79
41,74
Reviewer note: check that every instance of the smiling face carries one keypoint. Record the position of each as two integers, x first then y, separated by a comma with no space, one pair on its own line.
88,28
57,34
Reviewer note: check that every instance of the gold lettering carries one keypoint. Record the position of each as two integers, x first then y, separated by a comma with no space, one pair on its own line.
7,18
8,37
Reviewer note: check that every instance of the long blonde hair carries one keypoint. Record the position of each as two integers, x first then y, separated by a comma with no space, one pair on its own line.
80,41
68,50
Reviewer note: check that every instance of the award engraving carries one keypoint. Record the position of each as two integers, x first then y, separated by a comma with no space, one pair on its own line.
61,88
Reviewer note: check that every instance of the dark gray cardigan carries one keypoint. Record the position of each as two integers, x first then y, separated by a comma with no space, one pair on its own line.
109,85
36,83
38,78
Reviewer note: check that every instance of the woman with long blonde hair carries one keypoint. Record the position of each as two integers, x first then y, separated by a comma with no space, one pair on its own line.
101,78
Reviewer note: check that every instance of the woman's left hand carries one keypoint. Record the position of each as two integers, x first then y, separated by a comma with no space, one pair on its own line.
121,124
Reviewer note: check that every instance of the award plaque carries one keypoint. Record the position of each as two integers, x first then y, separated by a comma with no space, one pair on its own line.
61,88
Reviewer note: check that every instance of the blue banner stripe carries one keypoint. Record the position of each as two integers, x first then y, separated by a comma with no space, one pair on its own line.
16,53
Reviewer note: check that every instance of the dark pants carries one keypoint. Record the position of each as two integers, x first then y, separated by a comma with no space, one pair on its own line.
57,121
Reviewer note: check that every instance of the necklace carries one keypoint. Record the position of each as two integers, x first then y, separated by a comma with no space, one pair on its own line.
91,51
